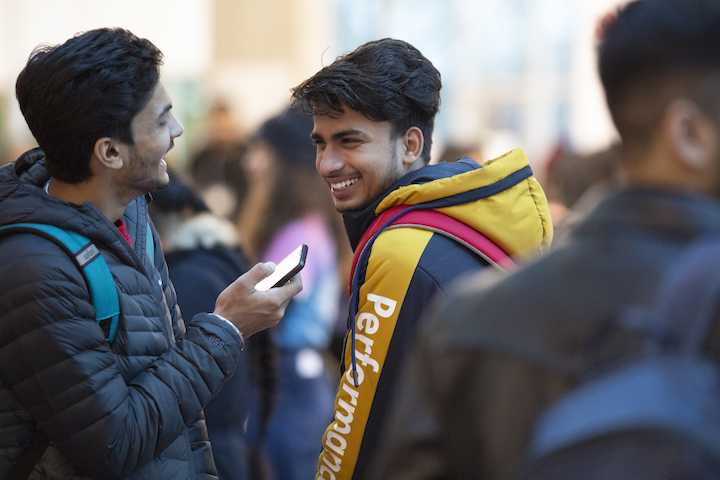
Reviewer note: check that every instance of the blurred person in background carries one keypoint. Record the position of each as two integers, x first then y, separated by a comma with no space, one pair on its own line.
287,205
500,350
374,112
216,166
203,257
458,149
575,184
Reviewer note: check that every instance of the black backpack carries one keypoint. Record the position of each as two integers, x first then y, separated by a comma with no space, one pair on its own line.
657,416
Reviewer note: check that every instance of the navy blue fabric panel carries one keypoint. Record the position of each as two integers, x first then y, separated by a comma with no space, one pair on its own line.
444,260
480,193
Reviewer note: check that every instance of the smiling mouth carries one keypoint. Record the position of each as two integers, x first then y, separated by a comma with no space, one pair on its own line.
172,144
343,185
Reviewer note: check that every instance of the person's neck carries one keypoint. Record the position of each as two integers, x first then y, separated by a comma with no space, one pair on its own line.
93,190
663,171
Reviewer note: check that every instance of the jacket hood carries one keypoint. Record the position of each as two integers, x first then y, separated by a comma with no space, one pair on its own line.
23,199
499,199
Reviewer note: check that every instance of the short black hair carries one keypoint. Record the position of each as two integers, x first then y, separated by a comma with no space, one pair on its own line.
657,50
89,87
385,80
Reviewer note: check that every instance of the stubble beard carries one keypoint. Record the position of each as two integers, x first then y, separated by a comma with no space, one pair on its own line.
392,174
146,178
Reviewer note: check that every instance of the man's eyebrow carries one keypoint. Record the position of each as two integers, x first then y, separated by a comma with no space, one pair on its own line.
338,135
347,132
165,110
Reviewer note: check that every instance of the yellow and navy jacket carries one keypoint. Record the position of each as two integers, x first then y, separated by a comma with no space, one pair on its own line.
401,269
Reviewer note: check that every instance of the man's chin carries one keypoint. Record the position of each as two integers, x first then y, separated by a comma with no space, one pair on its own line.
349,208
159,184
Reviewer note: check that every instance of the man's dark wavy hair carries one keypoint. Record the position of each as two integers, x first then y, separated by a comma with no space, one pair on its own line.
89,87
385,80
663,48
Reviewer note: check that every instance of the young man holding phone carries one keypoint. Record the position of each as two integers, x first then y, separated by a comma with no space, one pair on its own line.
74,402
374,111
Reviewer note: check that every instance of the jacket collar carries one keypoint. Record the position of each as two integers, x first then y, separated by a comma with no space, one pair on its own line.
682,215
358,221
22,199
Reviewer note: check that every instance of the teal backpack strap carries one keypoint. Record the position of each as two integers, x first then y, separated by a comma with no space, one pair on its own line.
149,244
103,292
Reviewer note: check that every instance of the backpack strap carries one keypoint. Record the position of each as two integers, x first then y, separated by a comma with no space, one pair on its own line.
100,282
423,217
149,244
435,221
454,229
103,296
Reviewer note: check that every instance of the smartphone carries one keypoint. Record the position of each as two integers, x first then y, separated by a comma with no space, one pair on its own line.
285,270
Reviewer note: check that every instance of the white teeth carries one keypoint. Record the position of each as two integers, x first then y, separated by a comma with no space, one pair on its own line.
341,185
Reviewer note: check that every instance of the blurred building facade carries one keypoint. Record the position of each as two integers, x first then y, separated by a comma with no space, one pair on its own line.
516,73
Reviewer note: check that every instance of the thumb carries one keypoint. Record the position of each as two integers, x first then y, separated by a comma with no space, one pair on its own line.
259,271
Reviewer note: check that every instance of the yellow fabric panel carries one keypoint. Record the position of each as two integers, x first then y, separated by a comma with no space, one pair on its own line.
543,209
492,172
393,259
517,219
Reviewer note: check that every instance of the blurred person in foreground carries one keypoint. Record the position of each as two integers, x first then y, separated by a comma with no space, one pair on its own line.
374,112
499,351
203,257
287,205
89,408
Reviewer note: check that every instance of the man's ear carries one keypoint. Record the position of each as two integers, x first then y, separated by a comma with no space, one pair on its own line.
109,153
413,143
690,134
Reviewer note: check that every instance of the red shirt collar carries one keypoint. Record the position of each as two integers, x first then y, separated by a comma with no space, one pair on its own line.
121,226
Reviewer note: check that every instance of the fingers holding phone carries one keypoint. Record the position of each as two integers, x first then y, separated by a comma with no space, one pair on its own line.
285,270
252,309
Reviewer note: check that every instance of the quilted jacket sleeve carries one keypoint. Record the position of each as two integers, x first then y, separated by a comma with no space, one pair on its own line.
56,361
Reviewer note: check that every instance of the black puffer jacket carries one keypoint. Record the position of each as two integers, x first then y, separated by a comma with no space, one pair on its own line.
132,409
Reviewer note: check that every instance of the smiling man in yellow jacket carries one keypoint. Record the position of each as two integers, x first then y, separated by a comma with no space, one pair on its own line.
414,227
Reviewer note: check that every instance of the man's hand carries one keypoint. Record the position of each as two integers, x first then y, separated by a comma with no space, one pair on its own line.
251,310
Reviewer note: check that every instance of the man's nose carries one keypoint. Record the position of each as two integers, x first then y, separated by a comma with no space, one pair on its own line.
328,161
177,128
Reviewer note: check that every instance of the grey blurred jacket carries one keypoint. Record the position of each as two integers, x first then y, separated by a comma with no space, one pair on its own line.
500,350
